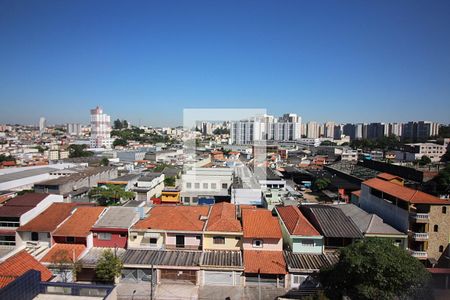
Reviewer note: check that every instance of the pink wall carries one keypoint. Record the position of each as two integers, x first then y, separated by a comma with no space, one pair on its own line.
190,240
268,244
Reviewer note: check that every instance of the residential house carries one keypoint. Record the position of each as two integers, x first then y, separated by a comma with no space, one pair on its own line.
299,235
149,186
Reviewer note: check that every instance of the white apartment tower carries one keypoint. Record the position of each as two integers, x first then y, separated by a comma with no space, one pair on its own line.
100,129
313,130
42,125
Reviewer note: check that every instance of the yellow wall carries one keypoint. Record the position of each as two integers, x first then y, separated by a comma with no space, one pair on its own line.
231,243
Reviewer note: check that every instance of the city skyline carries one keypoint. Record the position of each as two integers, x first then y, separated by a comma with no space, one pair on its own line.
60,59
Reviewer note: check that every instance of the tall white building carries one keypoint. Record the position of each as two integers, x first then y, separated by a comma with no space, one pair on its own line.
313,130
329,129
42,125
100,129
74,129
266,128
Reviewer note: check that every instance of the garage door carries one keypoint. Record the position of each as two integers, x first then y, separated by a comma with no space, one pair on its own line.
218,278
179,275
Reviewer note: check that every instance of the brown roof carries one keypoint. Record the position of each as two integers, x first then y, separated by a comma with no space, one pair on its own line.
259,223
387,176
223,218
18,265
181,218
14,211
264,262
403,193
295,222
63,252
80,222
49,219
29,199
357,193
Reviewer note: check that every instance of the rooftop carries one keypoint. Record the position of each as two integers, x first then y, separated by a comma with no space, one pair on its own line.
80,222
162,258
295,222
93,255
24,174
180,218
117,217
264,262
223,218
76,176
19,264
253,219
221,259
14,211
302,262
28,199
63,253
49,219
404,193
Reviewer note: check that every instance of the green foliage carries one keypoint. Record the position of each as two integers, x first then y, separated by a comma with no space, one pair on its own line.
108,266
322,183
139,135
4,157
442,181
110,194
104,162
23,192
219,131
384,143
160,167
79,151
444,131
120,124
169,181
424,160
120,142
375,269
328,143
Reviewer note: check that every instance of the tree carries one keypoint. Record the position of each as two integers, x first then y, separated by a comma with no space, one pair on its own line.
63,262
118,124
322,183
328,143
169,181
79,151
109,266
110,194
4,157
424,160
120,142
104,162
375,269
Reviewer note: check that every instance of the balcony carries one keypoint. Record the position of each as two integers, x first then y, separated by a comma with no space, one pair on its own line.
420,217
420,236
419,254
183,247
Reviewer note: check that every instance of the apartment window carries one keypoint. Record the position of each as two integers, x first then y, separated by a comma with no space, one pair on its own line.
224,186
219,240
444,209
70,239
308,243
436,228
104,236
441,248
205,186
257,244
213,186
153,241
188,185
197,185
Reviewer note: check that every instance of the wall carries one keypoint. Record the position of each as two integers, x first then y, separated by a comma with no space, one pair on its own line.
232,242
190,240
115,241
298,247
268,244
43,205
62,240
136,242
442,237
25,236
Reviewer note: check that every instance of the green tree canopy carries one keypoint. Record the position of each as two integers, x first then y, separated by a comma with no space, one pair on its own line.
108,266
322,183
375,269
4,157
120,142
79,151
424,160
169,181
110,194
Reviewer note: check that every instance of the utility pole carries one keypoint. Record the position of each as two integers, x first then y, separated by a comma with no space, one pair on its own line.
151,284
259,285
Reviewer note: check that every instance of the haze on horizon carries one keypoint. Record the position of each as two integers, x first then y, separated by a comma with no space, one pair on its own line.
146,61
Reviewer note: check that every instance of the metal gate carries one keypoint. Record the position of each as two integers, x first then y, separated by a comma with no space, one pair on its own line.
179,275
218,278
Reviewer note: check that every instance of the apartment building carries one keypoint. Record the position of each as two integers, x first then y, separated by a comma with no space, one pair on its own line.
100,129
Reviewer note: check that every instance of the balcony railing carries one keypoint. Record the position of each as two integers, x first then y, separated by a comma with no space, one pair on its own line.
421,217
420,236
419,254
183,247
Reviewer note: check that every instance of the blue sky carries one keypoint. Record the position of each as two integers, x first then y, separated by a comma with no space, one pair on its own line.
145,61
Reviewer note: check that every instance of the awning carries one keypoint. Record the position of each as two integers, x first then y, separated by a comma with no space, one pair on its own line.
150,235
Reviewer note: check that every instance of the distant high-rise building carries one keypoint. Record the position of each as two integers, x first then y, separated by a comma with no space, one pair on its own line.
375,131
313,130
100,129
349,130
419,131
359,131
329,129
74,129
42,125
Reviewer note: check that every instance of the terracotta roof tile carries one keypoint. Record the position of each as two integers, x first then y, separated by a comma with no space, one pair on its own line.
182,218
264,262
65,251
387,176
29,199
19,264
259,223
80,222
223,218
295,222
404,193
357,193
49,219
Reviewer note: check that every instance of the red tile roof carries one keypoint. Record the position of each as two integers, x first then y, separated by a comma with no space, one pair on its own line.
387,176
402,192
295,222
264,262
259,223
80,222
29,199
19,264
182,218
14,211
223,218
49,219
64,252
357,193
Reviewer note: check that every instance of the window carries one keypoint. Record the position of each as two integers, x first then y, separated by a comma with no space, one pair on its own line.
444,209
70,239
308,243
153,241
219,240
213,186
34,236
188,185
224,186
441,248
436,228
105,236
205,185
123,235
257,244
197,185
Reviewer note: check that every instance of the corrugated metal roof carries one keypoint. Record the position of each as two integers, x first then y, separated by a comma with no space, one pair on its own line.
162,258
117,217
219,258
93,255
301,262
